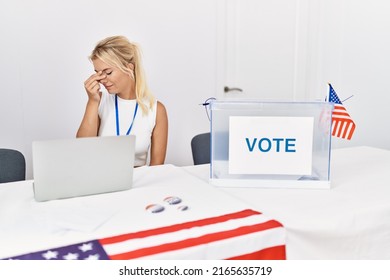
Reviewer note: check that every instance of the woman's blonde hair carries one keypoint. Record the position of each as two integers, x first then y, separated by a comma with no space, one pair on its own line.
118,51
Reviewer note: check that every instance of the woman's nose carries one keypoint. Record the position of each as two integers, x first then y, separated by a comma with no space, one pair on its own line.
104,80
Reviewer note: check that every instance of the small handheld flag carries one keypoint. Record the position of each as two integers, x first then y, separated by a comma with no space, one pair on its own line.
342,124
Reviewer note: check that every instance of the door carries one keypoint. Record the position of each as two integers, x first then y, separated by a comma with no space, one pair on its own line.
263,49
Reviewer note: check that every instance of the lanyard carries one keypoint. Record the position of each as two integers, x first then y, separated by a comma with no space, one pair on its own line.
117,117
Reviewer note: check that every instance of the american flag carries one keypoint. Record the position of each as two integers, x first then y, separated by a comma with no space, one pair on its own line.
245,234
342,124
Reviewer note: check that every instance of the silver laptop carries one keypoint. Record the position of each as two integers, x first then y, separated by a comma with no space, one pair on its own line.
82,166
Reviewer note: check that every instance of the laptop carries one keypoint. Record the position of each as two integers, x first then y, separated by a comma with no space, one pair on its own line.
82,166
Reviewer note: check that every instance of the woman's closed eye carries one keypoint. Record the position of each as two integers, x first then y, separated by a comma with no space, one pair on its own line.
108,72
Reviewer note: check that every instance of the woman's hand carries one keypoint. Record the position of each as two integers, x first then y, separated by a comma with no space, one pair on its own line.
92,86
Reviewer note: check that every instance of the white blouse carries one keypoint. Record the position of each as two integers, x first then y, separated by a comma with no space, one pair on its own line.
142,128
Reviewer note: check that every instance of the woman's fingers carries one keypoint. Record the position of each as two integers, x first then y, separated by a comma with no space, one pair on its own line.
92,85
95,78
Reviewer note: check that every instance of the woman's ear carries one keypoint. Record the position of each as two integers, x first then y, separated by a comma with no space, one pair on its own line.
131,66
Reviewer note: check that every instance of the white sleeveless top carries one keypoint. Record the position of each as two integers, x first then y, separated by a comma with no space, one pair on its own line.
142,127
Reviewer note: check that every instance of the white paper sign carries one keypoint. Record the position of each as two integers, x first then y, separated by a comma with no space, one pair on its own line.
270,145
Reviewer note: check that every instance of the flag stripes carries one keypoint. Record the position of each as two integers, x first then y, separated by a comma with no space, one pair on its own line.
272,253
222,233
342,124
196,241
172,228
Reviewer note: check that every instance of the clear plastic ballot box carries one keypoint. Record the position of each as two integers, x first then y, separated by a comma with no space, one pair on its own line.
270,144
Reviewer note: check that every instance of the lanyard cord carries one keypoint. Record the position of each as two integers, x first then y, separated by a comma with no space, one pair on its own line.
117,117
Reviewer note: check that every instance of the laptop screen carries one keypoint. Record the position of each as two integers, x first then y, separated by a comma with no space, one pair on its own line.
82,166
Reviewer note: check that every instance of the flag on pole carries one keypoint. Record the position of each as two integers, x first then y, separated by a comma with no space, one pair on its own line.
342,124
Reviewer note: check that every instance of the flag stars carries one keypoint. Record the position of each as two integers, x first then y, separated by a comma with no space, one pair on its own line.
93,257
86,247
50,255
71,256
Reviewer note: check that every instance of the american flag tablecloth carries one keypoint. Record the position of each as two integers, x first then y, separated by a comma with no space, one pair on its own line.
245,234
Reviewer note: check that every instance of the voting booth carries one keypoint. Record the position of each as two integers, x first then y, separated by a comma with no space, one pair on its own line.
270,144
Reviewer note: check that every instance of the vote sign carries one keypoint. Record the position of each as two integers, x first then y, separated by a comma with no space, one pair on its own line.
270,145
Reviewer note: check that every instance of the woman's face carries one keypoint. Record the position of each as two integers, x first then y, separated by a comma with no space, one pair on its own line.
116,80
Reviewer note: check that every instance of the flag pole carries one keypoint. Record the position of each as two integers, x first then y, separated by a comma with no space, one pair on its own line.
328,96
347,98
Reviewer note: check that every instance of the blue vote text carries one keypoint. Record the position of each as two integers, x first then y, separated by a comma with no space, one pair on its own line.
275,144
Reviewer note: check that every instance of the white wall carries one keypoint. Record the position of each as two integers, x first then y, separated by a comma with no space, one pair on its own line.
350,48
344,42
45,44
44,61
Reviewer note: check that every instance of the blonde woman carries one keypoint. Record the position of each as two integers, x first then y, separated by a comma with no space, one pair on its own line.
128,107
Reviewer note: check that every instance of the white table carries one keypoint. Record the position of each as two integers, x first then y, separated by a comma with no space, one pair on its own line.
349,221
215,226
